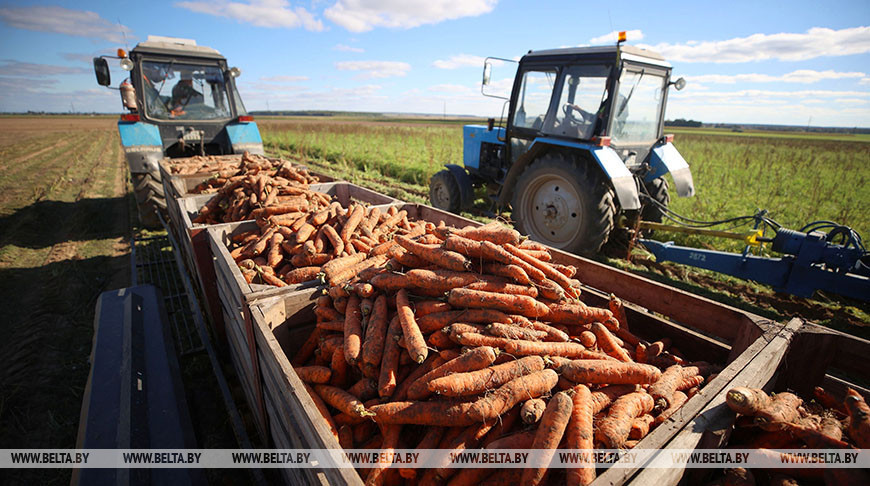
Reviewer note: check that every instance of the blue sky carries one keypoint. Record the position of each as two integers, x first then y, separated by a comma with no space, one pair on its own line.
779,62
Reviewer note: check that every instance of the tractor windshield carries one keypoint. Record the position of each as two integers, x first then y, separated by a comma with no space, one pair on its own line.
177,91
637,111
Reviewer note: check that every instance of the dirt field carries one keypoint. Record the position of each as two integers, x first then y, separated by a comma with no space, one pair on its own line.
65,232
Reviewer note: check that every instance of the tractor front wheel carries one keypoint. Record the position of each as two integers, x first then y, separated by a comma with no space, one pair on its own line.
444,192
564,203
148,189
657,189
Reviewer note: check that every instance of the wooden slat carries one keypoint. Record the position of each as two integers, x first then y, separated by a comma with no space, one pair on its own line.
711,427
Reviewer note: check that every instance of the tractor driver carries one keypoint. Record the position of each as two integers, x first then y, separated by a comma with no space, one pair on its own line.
183,93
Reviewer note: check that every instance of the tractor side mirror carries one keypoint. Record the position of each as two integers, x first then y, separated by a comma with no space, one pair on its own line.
101,69
487,73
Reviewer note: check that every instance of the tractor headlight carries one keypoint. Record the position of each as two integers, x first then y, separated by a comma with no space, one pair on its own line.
126,64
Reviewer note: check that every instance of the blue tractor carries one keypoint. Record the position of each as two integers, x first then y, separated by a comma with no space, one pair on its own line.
182,101
582,145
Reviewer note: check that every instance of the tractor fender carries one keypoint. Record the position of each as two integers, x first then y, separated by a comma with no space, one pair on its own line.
666,158
606,158
142,145
245,136
466,190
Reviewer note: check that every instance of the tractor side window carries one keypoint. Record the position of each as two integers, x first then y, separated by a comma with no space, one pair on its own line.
581,102
638,107
534,99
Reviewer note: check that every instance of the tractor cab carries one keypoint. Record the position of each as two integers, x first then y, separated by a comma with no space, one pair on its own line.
182,101
582,142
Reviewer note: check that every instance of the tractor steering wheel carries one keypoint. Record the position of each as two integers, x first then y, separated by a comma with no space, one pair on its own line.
569,110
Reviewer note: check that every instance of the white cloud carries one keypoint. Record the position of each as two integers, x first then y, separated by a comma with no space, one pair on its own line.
864,81
611,37
262,13
457,89
851,101
17,68
59,20
284,79
87,58
365,15
803,76
816,42
460,60
375,69
344,48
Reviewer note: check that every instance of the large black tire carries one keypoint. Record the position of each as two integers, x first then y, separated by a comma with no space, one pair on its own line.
444,192
657,189
565,203
148,190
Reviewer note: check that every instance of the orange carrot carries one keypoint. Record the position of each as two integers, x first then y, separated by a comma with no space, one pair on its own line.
425,307
532,410
443,280
387,379
339,367
508,271
511,393
579,436
553,334
305,260
338,275
516,304
340,264
433,413
473,360
515,332
313,374
352,330
345,437
548,436
675,402
433,361
563,350
573,314
618,311
307,349
321,407
413,337
588,339
829,401
640,426
663,389
474,382
377,475
547,269
341,400
352,223
439,320
334,239
607,343
613,430
274,257
364,389
604,397
443,258
490,285
859,413
606,372
494,232
816,438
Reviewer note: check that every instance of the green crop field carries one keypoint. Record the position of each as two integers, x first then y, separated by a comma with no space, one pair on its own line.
797,177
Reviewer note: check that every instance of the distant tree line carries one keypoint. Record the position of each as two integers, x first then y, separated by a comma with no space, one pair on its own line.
682,122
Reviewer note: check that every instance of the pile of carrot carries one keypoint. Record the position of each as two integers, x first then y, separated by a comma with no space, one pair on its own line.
259,194
785,421
316,240
473,338
224,167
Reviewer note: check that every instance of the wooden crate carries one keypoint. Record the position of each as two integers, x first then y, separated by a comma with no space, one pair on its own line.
799,358
280,323
197,252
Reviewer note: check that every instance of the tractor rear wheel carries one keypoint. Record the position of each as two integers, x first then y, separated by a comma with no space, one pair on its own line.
657,189
444,192
564,203
148,189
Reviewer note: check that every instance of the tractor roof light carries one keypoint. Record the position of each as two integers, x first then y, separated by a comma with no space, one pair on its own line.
245,118
130,117
234,72
669,138
121,53
622,37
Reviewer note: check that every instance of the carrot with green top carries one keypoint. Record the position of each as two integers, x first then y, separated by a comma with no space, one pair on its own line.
342,400
472,360
677,400
606,372
511,393
607,343
549,434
